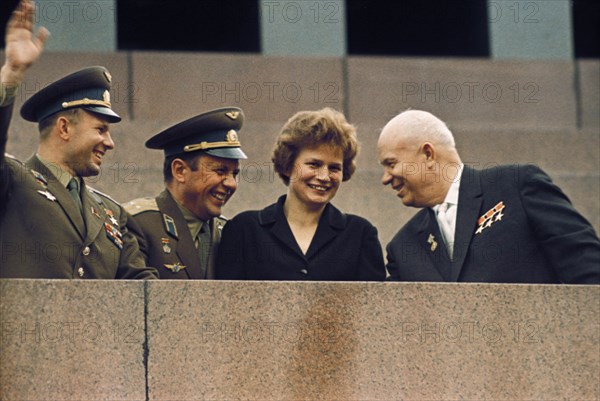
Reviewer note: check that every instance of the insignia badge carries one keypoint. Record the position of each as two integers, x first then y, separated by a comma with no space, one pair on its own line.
232,136
170,225
111,217
95,212
40,178
233,114
114,235
165,245
431,240
175,268
47,194
106,97
490,217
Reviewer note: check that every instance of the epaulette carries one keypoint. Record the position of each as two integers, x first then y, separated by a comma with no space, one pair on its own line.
13,159
94,192
141,205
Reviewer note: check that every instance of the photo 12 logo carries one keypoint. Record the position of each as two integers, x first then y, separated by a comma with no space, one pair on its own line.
326,12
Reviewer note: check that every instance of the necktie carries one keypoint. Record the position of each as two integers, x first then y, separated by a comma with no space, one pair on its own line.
446,220
73,187
204,240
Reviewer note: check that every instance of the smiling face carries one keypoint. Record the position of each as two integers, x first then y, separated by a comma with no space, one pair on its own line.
88,141
205,189
316,175
404,170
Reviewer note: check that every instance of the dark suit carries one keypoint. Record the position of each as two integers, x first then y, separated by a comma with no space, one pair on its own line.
513,225
165,238
44,235
259,245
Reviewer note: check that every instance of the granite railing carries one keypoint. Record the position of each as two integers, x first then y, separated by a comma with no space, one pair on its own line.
210,340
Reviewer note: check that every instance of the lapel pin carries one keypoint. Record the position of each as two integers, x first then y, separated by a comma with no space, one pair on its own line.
431,240
175,268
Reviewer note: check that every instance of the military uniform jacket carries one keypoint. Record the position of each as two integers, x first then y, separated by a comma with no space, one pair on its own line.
513,225
259,245
165,238
44,235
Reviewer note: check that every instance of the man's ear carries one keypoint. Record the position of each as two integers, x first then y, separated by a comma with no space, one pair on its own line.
178,169
428,151
63,127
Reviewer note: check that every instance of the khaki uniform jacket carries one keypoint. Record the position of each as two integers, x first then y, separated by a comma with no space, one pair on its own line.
44,235
165,238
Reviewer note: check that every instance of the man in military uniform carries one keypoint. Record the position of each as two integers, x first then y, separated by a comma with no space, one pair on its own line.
179,230
52,225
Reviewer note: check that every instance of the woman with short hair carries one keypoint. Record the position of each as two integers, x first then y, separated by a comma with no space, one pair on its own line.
303,236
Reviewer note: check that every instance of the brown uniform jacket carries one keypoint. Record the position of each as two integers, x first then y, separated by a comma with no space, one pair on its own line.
44,235
165,238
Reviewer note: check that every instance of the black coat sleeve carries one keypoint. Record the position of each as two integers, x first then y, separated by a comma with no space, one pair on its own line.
230,257
566,237
371,265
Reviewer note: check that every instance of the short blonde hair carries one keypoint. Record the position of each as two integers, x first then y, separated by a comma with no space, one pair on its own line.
308,129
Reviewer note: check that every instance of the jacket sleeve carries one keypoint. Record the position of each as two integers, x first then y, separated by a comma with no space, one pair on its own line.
566,237
136,230
132,264
371,265
391,265
230,255
5,115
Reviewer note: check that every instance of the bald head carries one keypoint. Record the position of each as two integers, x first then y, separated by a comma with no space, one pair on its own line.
419,158
417,127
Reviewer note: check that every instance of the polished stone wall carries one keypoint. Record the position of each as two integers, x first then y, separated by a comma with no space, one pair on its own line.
210,340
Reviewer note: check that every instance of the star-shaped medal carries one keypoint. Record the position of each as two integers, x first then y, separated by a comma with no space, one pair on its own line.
47,194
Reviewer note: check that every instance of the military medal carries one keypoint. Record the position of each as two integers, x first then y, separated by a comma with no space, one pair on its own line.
431,240
490,217
114,235
175,268
111,217
165,245
95,212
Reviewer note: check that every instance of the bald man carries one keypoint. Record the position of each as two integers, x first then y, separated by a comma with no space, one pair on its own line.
506,224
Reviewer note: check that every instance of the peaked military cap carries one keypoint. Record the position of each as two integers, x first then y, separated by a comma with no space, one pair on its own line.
87,88
214,132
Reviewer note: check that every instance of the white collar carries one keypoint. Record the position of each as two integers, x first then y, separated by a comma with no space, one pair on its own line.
452,195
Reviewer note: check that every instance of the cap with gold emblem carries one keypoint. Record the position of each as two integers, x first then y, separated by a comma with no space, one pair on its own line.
214,132
87,88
